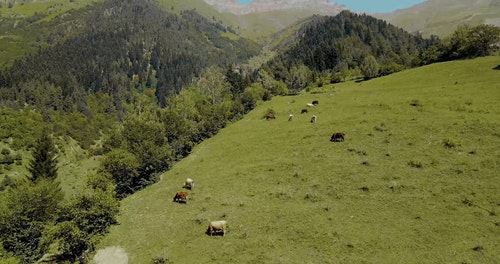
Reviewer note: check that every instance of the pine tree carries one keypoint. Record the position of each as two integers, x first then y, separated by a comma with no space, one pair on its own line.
44,163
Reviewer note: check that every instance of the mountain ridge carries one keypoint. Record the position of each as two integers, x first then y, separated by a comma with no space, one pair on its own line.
431,17
323,7
437,17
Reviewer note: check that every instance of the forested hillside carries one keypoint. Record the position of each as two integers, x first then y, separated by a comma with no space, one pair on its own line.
349,45
124,40
348,42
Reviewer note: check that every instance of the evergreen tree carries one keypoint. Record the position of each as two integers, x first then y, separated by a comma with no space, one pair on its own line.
44,163
238,83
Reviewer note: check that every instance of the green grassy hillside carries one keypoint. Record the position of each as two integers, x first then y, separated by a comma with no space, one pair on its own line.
416,180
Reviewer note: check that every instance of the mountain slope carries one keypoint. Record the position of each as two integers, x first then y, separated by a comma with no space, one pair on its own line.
261,6
25,27
441,17
123,42
415,180
263,18
343,43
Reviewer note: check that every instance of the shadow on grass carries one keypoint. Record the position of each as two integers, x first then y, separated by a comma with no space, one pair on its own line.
497,67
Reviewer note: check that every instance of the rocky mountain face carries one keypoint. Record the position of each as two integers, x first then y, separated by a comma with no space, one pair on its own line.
323,7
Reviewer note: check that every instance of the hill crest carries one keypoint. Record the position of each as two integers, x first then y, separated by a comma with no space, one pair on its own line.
441,17
323,7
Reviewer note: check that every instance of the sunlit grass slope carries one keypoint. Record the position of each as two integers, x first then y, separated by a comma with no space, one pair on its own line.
416,180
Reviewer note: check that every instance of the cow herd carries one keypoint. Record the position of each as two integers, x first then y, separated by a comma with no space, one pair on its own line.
220,227
336,136
214,227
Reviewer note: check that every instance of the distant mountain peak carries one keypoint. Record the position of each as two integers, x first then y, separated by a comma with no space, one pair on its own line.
258,6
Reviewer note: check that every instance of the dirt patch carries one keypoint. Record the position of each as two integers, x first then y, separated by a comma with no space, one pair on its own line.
111,255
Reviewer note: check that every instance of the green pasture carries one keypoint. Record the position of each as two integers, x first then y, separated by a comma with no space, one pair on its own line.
415,181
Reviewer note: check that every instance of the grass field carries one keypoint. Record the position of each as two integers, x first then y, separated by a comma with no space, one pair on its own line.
416,180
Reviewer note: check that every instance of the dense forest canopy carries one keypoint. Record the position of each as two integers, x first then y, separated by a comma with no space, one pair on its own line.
125,42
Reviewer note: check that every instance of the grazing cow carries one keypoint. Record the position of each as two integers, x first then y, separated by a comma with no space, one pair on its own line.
315,102
314,119
270,116
337,136
304,111
310,105
290,117
181,197
217,228
189,184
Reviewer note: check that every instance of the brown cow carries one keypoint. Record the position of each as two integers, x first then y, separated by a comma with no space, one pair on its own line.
217,228
181,197
337,136
270,116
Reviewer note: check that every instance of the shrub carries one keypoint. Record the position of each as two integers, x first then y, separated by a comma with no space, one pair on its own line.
450,143
7,160
159,261
5,152
415,164
415,102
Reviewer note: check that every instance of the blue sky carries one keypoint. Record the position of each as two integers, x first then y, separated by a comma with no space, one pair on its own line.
368,5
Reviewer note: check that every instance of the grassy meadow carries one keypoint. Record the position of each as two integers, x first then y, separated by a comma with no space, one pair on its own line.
415,181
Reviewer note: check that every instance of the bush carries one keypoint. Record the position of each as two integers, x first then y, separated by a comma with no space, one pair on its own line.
159,261
415,164
5,152
123,168
450,143
415,102
7,160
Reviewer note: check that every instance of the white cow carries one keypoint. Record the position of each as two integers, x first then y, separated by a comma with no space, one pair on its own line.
217,227
189,184
313,119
